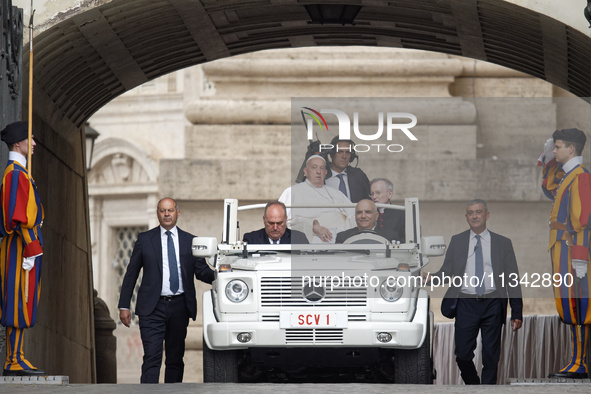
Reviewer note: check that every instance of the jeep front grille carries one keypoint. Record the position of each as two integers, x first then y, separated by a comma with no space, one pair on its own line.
288,292
315,335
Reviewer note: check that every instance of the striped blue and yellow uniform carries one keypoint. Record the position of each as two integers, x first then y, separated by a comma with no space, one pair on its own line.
569,239
21,216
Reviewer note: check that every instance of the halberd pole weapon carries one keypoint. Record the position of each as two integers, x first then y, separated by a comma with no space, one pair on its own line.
30,129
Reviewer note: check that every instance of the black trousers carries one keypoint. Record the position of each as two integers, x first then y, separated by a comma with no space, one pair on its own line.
487,316
166,324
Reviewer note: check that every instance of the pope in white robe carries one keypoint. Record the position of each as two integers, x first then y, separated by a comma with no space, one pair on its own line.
319,224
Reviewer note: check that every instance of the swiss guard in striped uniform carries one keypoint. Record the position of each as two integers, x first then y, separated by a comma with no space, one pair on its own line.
568,183
20,251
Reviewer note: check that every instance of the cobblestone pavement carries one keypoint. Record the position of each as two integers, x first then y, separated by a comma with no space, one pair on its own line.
264,388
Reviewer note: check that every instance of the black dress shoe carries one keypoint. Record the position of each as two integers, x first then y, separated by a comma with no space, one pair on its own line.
24,372
568,375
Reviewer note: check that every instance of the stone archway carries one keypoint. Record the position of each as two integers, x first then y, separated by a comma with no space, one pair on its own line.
93,53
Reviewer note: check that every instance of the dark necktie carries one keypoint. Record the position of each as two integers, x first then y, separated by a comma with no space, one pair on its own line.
479,268
174,273
342,186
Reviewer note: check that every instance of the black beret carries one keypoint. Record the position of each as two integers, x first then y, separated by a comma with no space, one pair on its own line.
572,135
15,132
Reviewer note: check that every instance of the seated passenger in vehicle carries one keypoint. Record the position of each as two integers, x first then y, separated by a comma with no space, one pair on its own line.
275,230
381,191
318,224
366,216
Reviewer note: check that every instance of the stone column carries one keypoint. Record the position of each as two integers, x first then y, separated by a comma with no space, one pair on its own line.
11,44
105,343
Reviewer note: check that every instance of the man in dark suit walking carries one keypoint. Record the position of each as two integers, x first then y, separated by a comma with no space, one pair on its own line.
366,216
166,298
351,181
275,230
481,258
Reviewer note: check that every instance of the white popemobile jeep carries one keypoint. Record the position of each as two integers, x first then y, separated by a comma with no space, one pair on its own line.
285,312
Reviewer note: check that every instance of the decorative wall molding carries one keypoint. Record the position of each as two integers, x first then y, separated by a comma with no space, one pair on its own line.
119,163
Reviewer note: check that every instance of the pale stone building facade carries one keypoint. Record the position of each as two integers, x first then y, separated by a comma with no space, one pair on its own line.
228,134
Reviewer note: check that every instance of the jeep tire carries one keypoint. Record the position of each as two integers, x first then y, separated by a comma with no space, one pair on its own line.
414,366
220,365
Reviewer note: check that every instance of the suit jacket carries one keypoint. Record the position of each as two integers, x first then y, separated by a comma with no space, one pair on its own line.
503,262
344,235
147,255
392,220
260,237
358,183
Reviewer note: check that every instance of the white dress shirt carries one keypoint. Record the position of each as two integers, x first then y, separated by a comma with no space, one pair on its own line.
335,182
469,285
165,270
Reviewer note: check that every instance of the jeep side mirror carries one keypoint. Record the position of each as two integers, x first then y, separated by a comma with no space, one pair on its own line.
433,246
206,247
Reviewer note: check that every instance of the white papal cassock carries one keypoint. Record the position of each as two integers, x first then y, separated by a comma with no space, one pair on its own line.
301,219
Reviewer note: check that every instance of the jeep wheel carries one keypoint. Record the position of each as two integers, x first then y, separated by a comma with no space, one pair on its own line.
220,365
414,366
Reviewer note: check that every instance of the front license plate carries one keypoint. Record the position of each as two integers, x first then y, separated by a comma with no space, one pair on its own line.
313,319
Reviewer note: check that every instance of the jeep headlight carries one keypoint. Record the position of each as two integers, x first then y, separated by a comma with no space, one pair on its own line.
390,291
236,290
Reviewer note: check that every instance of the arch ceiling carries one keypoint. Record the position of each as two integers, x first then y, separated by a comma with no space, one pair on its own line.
87,60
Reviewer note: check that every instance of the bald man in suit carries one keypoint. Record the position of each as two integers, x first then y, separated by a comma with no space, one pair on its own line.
166,298
275,230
